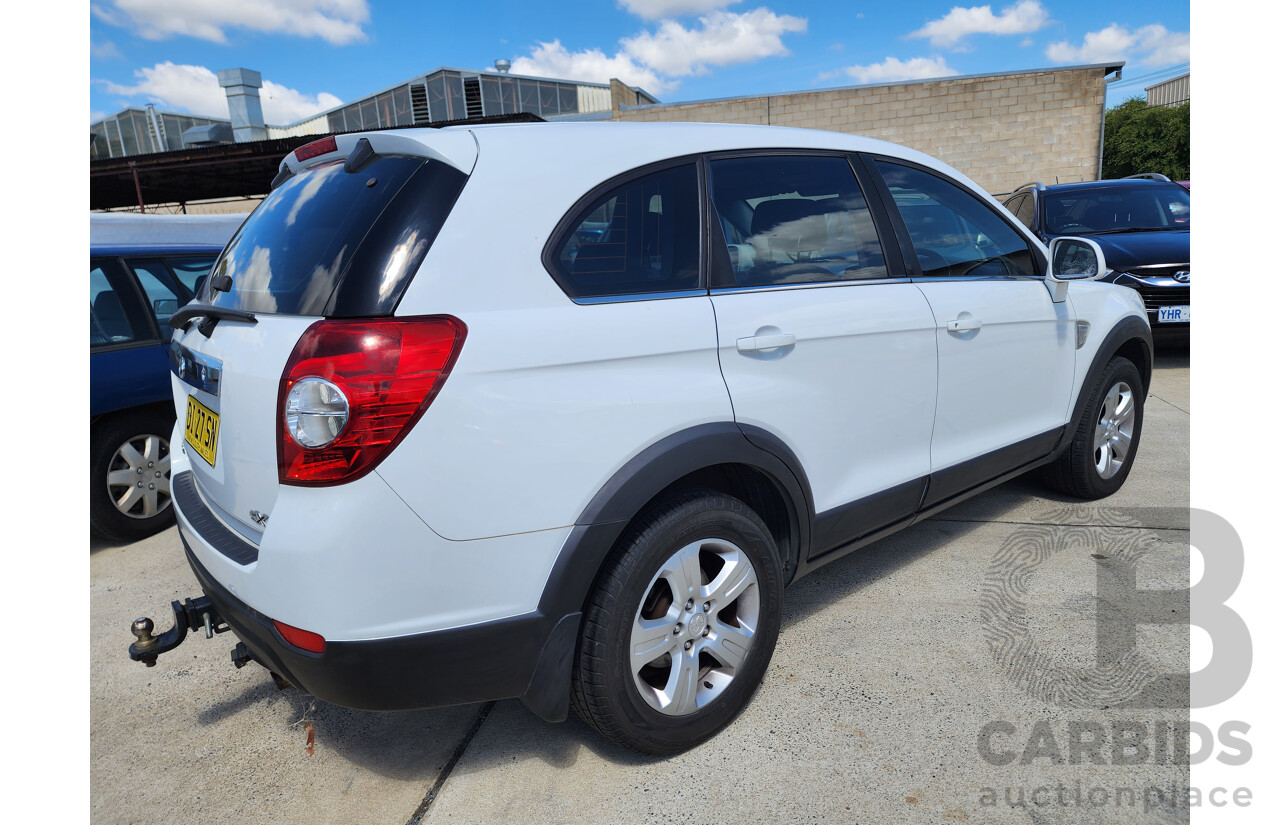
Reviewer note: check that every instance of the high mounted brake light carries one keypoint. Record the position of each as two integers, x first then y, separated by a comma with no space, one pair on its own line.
375,379
315,148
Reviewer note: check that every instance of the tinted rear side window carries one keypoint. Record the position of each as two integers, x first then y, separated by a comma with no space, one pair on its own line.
640,237
191,271
793,220
336,243
115,316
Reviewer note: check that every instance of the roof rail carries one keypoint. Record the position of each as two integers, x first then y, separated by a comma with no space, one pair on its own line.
1032,185
1148,176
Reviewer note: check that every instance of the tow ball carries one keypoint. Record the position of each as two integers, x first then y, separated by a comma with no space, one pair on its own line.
187,616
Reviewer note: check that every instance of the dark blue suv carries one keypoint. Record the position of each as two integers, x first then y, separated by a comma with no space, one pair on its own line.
1143,225
142,268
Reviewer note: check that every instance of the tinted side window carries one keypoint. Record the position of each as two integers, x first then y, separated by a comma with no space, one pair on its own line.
795,219
114,314
953,232
191,271
162,292
1026,211
640,237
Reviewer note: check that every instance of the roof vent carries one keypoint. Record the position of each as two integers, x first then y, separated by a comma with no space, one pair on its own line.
503,65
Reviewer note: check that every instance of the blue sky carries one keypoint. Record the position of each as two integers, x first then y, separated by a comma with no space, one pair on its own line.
314,54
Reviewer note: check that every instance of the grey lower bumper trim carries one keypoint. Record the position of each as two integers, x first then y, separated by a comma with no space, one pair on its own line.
206,525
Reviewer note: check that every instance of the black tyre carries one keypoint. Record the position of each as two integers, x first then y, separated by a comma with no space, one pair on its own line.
129,475
1100,455
680,629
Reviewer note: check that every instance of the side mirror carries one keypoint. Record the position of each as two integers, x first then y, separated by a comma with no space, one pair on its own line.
1073,259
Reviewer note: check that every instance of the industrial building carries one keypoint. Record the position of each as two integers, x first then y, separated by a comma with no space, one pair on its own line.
442,95
1172,92
1001,129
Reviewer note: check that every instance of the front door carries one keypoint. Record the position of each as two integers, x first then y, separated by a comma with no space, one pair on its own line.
1006,351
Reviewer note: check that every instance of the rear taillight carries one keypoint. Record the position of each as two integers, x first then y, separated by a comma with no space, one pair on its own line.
353,389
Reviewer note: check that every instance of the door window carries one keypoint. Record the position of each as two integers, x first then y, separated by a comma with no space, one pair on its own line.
161,290
191,272
1026,211
794,220
641,237
114,314
954,233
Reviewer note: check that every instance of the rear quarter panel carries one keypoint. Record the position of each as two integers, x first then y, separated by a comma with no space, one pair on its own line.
548,398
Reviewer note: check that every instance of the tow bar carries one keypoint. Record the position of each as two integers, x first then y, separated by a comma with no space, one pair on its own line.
187,616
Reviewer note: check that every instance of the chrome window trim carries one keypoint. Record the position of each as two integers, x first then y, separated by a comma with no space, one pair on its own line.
639,296
933,279
729,290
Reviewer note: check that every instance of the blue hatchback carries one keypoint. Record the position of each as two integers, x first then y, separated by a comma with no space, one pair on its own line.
142,268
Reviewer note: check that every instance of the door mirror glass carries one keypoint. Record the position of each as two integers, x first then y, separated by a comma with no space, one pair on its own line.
1075,259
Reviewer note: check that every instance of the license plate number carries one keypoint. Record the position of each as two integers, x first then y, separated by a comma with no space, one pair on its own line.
1174,315
202,429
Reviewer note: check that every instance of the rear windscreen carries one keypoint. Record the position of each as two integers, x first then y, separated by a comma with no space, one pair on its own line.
336,243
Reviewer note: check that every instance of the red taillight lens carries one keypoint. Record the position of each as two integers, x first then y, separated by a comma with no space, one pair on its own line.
323,146
297,637
389,372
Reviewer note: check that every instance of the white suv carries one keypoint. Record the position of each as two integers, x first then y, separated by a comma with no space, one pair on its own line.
556,411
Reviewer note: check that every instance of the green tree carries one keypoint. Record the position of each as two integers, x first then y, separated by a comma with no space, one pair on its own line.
1141,138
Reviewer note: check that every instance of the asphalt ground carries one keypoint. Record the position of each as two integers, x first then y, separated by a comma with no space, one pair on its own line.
949,673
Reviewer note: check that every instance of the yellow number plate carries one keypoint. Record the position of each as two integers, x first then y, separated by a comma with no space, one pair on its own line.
202,429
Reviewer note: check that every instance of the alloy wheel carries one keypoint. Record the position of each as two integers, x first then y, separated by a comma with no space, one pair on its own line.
695,626
1113,435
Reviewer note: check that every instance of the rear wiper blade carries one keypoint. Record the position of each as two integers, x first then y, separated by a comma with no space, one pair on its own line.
211,314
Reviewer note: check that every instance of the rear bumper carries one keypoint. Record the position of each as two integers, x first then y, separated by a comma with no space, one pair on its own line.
476,663
407,617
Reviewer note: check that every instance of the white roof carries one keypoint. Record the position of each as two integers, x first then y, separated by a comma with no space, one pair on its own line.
127,229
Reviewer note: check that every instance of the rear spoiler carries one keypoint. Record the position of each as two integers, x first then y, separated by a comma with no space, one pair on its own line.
455,148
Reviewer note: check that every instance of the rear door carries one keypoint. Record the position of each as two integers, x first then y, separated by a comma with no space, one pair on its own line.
127,360
823,341
1006,351
330,241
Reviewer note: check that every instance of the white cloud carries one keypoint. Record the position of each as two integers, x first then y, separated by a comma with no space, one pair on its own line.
723,38
657,59
104,50
280,104
1152,45
195,89
892,69
959,23
337,21
554,60
655,9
